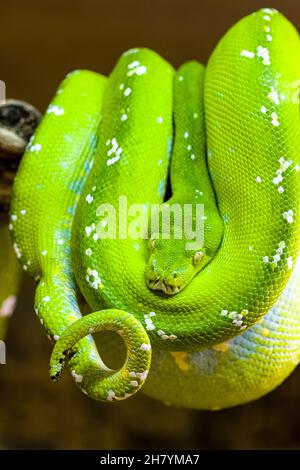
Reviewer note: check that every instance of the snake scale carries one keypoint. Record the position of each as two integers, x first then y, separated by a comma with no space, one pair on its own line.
208,326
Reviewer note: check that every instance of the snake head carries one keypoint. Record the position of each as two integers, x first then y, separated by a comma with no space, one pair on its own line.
171,266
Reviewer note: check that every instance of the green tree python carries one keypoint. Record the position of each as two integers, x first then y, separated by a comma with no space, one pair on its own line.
205,326
18,120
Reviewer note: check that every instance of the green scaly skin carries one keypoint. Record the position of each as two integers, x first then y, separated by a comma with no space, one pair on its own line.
58,159
242,128
191,184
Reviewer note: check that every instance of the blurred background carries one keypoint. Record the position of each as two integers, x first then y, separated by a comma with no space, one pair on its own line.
40,43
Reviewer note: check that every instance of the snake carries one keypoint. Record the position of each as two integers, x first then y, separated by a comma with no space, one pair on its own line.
18,119
207,322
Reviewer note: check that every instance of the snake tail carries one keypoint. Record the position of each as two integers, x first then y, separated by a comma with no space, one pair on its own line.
111,386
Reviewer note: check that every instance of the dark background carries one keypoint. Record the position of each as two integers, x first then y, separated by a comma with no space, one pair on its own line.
40,42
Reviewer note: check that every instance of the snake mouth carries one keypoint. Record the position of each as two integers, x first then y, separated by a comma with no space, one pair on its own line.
163,285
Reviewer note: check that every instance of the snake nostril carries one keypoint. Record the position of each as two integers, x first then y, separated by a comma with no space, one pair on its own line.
152,279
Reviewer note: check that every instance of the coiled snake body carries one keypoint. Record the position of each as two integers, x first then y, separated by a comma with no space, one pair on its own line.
231,332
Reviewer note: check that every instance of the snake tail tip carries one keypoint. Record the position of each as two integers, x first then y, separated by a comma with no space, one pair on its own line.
56,367
54,376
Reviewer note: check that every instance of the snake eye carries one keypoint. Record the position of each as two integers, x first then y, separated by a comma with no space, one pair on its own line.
151,243
198,257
